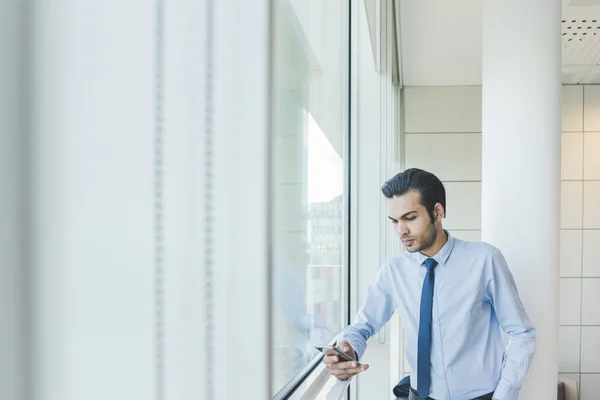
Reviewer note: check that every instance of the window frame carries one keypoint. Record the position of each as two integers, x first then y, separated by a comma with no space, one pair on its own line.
315,367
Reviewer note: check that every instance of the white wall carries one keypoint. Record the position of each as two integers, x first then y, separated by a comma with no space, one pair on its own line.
579,332
443,134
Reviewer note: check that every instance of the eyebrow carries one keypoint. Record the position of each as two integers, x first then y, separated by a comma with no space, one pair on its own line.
404,215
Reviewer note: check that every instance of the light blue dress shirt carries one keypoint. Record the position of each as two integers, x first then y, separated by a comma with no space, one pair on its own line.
474,296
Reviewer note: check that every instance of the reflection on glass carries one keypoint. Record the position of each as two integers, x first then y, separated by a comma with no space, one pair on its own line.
309,121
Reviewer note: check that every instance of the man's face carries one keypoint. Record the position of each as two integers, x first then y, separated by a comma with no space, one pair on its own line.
412,222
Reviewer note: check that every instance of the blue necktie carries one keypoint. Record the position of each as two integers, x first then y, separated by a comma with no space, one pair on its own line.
424,350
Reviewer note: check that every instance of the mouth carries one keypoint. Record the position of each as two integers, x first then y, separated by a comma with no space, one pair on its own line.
408,242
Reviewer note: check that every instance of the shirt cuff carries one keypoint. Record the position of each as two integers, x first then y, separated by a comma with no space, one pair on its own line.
506,391
356,346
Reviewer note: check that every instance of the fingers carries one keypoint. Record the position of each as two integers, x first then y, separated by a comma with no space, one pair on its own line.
335,362
331,359
344,374
345,347
341,368
346,365
345,371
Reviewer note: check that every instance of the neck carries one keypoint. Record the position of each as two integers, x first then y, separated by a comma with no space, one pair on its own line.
440,240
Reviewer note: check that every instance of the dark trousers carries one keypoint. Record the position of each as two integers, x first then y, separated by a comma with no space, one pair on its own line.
415,396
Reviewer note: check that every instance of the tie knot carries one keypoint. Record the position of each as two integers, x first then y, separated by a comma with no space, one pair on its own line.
430,263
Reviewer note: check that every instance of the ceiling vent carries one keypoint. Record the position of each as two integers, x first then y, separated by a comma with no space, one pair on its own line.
581,41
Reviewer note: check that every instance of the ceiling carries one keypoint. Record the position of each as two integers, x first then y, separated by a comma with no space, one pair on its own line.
441,42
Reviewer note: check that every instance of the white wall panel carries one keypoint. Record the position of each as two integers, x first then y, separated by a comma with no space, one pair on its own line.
591,204
572,108
570,253
570,301
442,109
591,156
590,386
591,108
451,157
572,156
590,349
463,200
571,205
591,244
569,348
590,310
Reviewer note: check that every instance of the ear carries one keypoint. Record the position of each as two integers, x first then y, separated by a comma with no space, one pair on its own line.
438,212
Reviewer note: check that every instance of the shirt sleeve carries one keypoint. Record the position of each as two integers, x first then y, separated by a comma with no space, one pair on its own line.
514,321
375,312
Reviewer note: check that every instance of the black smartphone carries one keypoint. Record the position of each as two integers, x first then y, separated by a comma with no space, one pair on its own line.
339,353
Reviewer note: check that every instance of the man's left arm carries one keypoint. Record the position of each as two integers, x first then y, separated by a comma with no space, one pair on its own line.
514,321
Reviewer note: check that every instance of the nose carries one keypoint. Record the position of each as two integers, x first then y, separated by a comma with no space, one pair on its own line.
401,229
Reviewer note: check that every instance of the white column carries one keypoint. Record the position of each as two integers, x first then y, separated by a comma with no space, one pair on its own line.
521,163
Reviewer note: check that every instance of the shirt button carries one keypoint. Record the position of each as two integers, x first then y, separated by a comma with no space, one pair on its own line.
439,353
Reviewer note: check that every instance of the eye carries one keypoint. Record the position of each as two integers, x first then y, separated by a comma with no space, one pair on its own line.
411,218
394,222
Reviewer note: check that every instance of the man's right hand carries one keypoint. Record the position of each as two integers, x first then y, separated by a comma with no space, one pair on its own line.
343,370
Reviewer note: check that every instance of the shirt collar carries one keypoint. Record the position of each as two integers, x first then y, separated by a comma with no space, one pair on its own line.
441,257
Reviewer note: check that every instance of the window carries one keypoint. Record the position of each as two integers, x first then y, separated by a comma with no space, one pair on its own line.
310,129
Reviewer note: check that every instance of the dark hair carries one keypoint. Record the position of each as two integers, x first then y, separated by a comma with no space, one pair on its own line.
427,184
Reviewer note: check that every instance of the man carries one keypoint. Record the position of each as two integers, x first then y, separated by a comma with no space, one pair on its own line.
453,297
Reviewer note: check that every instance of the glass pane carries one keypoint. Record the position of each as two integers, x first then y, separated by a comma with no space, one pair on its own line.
310,113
